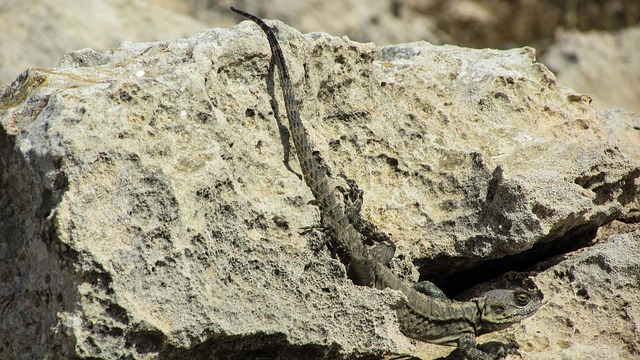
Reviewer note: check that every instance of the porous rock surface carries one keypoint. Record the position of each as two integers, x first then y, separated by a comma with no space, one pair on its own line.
146,212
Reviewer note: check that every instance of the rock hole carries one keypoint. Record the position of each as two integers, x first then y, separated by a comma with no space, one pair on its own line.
446,274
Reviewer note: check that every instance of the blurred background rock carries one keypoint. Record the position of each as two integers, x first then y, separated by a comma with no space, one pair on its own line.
591,45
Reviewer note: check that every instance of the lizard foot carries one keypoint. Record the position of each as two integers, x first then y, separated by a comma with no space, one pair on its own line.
380,245
492,350
501,350
353,199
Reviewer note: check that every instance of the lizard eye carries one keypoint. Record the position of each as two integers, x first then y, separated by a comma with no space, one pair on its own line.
497,309
522,299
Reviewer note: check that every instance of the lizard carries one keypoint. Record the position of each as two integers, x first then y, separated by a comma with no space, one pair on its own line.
426,314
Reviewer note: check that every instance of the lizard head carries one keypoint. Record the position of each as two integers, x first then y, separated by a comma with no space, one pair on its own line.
501,308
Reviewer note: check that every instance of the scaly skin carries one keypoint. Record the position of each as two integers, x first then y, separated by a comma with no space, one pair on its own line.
426,316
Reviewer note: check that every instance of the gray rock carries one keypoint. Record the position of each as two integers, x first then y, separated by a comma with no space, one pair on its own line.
146,211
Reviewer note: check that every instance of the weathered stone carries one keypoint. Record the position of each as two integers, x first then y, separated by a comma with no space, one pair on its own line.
38,32
623,130
146,211
591,306
504,24
602,64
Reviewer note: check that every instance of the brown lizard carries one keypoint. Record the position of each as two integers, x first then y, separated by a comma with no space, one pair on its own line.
427,314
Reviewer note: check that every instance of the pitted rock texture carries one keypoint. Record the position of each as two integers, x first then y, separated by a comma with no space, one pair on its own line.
36,33
591,305
146,212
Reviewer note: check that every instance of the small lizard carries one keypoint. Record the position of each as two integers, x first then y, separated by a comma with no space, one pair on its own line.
427,314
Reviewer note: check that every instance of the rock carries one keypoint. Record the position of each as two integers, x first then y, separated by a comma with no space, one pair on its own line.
505,24
623,129
38,33
380,21
473,23
146,211
601,64
590,310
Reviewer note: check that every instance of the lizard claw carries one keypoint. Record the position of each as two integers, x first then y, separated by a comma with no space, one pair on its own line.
501,350
353,199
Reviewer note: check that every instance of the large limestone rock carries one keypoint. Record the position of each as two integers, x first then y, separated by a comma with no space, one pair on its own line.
146,212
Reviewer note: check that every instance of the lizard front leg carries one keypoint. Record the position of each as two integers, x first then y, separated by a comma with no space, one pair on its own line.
353,199
467,346
380,245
